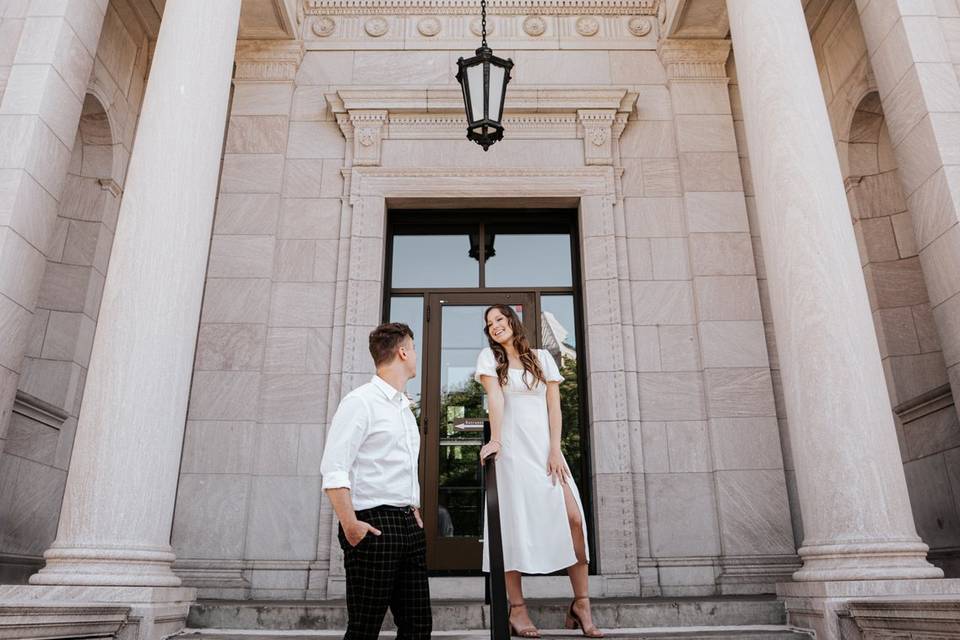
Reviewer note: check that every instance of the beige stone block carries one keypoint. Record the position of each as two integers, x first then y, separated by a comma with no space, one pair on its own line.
224,395
716,212
602,302
254,173
681,511
927,330
257,134
903,231
919,154
218,447
631,182
733,343
305,218
301,304
80,247
879,195
411,68
705,133
746,443
754,512
688,447
606,348
331,182
230,347
262,98
716,254
893,57
927,43
640,258
236,300
10,30
727,298
653,101
935,514
33,507
648,139
315,140
302,178
15,325
947,315
916,374
896,331
700,98
65,287
246,214
670,259
654,217
311,449
556,67
310,104
679,348
293,260
718,171
636,67
931,434
876,236
607,396
286,350
661,178
32,440
671,396
39,90
662,302
69,337
897,283
326,68
325,266
654,439
27,142
647,348
211,513
299,398
932,205
27,207
611,447
284,517
276,452
739,392
241,257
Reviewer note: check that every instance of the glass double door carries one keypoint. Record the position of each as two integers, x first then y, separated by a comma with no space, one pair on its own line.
453,407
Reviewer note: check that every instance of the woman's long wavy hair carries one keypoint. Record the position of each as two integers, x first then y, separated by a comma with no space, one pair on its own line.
529,360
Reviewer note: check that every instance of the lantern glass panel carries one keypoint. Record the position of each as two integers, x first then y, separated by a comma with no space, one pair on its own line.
475,82
496,91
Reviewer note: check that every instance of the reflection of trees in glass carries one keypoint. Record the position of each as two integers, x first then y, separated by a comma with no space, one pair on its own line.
459,477
570,410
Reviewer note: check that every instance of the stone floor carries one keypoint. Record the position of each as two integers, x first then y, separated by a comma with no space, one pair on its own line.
753,632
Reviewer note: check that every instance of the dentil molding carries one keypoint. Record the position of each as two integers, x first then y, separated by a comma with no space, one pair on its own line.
368,116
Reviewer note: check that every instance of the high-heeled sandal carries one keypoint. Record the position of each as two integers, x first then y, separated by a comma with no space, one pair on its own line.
526,632
573,621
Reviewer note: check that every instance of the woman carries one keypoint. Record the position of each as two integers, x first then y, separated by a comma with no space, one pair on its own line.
543,523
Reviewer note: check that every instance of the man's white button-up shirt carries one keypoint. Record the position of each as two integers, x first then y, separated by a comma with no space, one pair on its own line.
372,448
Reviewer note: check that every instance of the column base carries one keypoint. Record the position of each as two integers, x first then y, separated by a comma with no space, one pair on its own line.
898,560
99,566
151,613
824,607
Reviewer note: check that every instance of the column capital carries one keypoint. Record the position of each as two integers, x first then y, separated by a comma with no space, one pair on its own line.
268,60
694,60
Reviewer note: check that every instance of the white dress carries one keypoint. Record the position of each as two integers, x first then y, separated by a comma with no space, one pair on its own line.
533,514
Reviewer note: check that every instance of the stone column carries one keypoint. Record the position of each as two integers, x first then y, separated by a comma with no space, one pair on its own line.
118,505
853,495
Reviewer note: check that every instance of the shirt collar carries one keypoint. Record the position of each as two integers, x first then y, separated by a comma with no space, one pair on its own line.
390,392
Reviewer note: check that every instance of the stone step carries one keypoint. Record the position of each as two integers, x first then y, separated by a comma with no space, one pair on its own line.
731,632
453,615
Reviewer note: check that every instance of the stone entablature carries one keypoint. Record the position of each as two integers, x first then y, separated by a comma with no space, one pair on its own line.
454,24
370,115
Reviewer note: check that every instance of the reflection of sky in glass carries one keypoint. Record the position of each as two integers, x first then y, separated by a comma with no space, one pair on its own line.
530,260
409,310
434,261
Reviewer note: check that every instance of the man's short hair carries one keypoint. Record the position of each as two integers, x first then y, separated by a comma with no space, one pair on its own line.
386,339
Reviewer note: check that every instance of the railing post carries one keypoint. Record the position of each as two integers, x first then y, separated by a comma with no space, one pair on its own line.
497,587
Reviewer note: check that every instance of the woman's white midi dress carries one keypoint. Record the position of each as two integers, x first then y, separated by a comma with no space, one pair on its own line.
533,514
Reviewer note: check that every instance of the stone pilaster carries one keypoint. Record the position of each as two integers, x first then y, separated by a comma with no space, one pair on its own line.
756,541
856,512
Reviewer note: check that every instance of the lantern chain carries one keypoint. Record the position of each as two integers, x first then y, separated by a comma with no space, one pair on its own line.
483,22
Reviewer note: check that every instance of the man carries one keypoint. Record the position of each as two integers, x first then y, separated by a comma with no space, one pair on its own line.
369,470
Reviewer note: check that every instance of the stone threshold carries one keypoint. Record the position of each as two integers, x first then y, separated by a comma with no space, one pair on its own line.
755,632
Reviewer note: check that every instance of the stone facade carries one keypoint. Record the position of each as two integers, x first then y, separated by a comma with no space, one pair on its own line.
759,346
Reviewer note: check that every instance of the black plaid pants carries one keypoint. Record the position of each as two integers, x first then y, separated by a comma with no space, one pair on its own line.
389,570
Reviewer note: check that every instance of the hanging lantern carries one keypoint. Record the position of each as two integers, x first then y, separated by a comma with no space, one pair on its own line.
484,79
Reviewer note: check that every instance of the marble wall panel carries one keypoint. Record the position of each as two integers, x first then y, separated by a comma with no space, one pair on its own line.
682,514
218,447
224,395
292,398
236,300
283,520
937,520
230,347
756,515
671,396
239,214
211,516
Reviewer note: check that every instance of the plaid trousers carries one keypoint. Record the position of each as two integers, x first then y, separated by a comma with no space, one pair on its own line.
389,570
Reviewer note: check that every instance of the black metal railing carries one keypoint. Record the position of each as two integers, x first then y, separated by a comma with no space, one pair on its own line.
496,582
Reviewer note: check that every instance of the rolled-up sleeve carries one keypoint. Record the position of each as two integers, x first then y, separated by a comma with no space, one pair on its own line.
343,441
